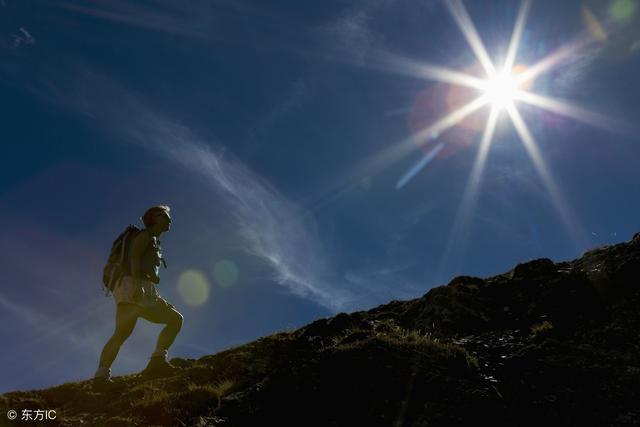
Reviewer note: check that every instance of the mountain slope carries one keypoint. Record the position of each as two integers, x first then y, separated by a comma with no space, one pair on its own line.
543,343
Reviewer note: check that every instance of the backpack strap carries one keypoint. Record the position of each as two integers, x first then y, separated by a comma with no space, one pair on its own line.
124,245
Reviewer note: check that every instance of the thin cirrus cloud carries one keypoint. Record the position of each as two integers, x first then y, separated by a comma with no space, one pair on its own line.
350,34
273,229
374,283
52,308
201,20
297,94
23,37
195,21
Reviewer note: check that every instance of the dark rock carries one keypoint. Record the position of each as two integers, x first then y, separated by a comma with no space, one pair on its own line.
535,268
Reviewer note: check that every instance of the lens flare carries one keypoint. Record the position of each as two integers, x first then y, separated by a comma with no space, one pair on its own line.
193,287
623,10
225,273
593,25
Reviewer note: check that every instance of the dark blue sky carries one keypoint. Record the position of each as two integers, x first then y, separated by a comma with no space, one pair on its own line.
272,132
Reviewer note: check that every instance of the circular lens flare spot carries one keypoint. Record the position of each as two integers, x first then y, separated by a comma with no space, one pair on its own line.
623,10
193,287
225,273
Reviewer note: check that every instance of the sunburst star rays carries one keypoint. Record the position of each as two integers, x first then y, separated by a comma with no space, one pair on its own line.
502,101
501,89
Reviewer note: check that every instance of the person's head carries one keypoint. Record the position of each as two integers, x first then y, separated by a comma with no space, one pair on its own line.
157,218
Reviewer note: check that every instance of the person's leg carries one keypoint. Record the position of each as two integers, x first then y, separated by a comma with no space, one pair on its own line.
126,317
165,313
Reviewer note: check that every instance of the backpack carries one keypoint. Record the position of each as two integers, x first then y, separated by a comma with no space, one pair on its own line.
118,263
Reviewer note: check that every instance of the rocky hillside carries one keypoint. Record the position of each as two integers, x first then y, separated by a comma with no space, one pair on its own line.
543,344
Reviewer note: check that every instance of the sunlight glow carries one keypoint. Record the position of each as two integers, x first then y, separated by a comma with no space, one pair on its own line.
501,89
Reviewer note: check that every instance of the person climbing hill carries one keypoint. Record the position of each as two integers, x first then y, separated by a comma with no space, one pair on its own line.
133,286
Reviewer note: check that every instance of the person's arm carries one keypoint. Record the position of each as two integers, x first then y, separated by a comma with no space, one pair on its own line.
139,245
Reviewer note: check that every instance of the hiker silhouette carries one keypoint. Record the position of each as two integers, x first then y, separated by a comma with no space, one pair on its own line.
135,295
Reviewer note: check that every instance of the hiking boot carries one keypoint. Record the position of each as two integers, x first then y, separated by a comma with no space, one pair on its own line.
102,380
159,366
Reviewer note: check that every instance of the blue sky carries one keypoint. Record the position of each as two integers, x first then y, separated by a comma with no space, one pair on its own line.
272,131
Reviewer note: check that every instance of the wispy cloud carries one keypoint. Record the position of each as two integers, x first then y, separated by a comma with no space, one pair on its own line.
273,229
23,37
603,40
170,17
50,305
577,65
19,311
202,20
383,284
50,264
298,91
351,32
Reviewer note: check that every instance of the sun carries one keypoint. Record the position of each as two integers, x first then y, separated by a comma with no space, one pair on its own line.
501,89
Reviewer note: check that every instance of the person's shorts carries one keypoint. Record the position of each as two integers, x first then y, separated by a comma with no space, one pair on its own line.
144,295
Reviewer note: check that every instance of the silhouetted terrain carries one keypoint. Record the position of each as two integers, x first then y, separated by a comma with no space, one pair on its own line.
543,344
